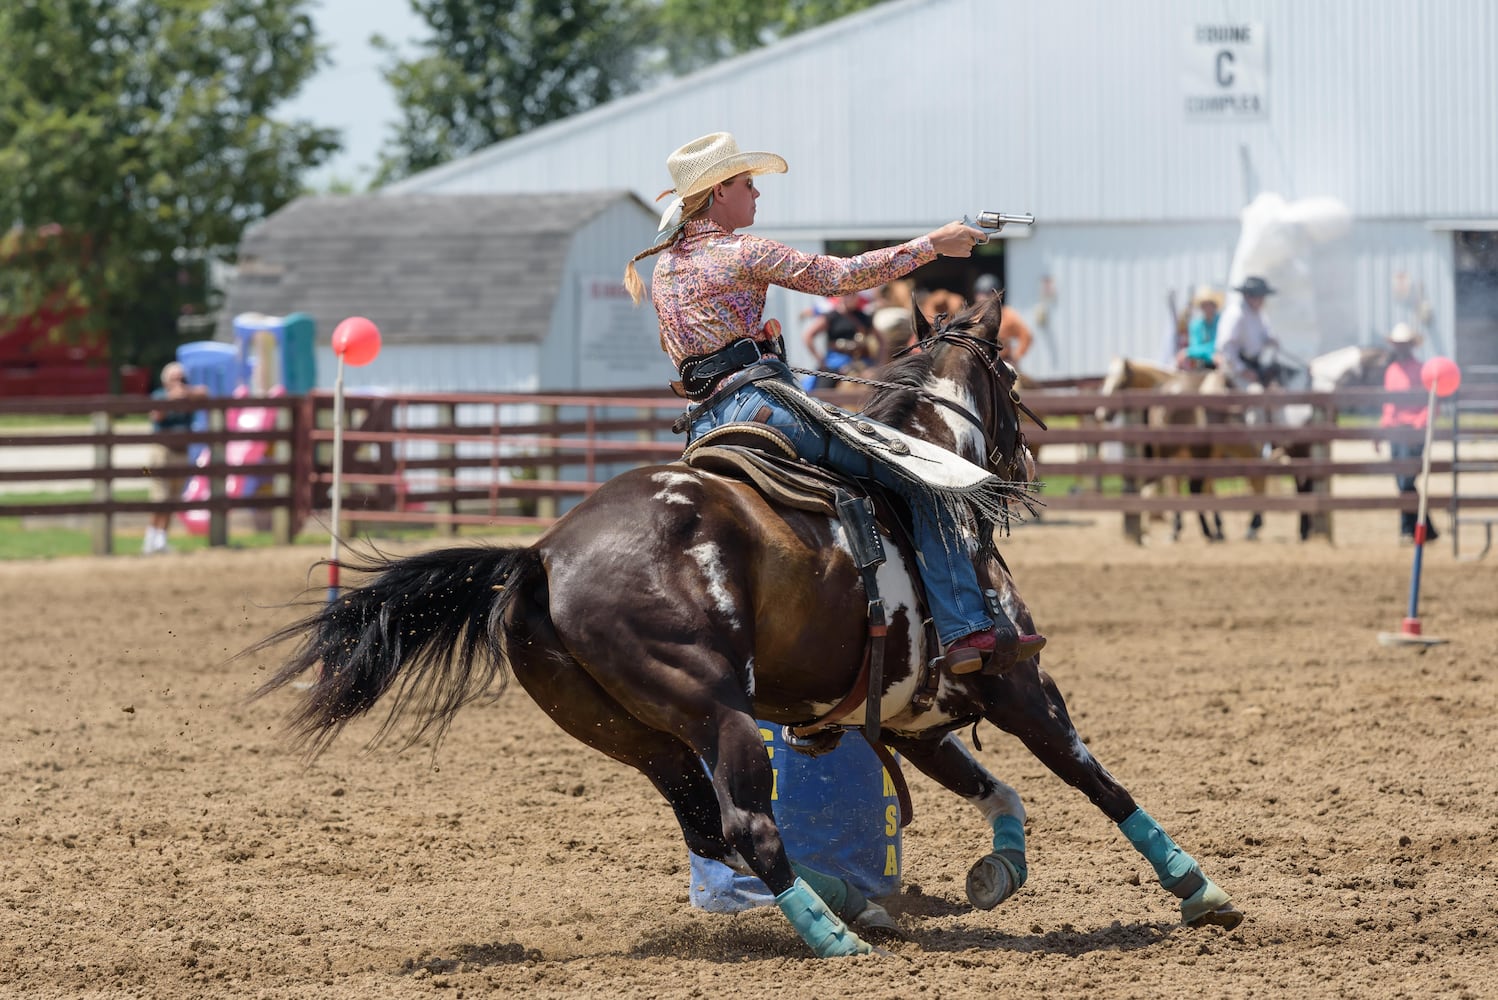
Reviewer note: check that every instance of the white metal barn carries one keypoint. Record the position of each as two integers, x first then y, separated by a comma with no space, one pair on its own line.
1135,132
474,293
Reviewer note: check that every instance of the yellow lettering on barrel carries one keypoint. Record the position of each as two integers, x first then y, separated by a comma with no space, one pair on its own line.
891,860
767,735
889,784
891,820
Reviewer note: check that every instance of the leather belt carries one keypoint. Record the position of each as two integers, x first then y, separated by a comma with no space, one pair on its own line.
729,384
701,373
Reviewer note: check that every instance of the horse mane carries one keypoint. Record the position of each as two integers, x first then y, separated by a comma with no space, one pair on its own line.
894,403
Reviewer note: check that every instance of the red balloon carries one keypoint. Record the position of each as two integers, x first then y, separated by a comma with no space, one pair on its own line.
357,340
1441,373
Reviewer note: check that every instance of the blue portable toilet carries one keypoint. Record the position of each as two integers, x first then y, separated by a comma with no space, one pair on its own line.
212,364
838,813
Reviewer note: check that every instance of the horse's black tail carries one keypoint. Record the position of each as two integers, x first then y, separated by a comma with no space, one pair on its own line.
426,626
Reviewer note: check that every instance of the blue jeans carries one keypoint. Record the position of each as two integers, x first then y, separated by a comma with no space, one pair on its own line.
957,606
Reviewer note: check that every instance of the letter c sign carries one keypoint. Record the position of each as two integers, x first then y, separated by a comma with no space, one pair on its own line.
1225,62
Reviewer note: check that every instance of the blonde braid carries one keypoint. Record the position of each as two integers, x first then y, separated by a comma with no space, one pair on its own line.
691,208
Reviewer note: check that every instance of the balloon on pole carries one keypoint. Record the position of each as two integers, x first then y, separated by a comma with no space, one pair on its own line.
1441,375
356,341
1441,378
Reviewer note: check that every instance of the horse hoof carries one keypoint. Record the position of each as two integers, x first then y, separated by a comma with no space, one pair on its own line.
1227,916
989,883
875,924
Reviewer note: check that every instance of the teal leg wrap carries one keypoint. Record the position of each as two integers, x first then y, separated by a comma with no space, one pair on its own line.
1009,845
1176,869
818,926
843,899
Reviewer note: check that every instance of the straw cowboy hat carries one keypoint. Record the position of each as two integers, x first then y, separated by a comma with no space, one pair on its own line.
1403,333
1206,295
711,160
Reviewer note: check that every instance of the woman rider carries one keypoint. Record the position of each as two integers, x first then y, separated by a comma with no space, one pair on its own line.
709,293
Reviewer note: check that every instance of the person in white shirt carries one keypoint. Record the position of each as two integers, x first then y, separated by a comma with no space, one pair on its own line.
1243,333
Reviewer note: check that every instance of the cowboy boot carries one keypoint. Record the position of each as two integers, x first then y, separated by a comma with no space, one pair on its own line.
993,650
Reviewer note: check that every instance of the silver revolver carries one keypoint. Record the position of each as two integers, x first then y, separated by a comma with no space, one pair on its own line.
993,222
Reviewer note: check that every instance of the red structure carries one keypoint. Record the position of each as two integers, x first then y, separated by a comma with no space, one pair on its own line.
39,356
36,359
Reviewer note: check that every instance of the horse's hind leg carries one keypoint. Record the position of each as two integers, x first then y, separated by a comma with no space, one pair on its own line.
1000,873
1256,523
711,721
585,711
1028,705
1213,530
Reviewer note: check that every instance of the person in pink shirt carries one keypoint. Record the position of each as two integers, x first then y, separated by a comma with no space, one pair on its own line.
1403,375
708,289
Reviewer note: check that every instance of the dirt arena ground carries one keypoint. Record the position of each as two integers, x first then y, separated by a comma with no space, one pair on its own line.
158,839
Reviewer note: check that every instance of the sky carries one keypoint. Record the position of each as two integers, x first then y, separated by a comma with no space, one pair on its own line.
349,93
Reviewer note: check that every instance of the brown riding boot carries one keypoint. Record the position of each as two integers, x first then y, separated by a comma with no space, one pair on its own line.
993,651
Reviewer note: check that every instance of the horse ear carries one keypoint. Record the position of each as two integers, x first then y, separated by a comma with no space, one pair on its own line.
992,314
922,324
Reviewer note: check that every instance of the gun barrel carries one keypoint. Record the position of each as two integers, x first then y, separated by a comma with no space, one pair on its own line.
998,220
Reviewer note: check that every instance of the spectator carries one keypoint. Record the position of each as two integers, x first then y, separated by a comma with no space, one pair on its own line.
852,342
1014,333
1243,334
1403,375
174,385
1201,334
941,302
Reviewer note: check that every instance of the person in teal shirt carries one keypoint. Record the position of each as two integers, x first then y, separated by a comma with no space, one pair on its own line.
1201,335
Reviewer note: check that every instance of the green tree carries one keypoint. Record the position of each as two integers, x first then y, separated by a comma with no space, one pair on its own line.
494,69
141,131
698,33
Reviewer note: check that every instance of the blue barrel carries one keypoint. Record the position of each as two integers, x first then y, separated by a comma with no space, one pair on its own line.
838,813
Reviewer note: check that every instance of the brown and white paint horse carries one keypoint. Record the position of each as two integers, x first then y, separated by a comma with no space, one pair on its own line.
664,615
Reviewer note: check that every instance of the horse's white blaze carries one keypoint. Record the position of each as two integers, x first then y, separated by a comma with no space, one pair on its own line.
709,559
966,435
669,482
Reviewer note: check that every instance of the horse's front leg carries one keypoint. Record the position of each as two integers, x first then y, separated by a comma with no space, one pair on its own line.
1026,703
1000,873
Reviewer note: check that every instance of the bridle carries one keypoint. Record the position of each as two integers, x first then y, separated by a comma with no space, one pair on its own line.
987,354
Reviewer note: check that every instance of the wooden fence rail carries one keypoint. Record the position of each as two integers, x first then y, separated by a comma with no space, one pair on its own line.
521,459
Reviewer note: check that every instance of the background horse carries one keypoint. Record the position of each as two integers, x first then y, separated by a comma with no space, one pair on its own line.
1343,368
1131,373
662,616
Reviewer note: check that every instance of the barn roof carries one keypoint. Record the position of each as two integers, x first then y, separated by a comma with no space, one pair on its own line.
425,268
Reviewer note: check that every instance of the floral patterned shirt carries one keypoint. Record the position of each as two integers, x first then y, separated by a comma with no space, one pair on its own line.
709,286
